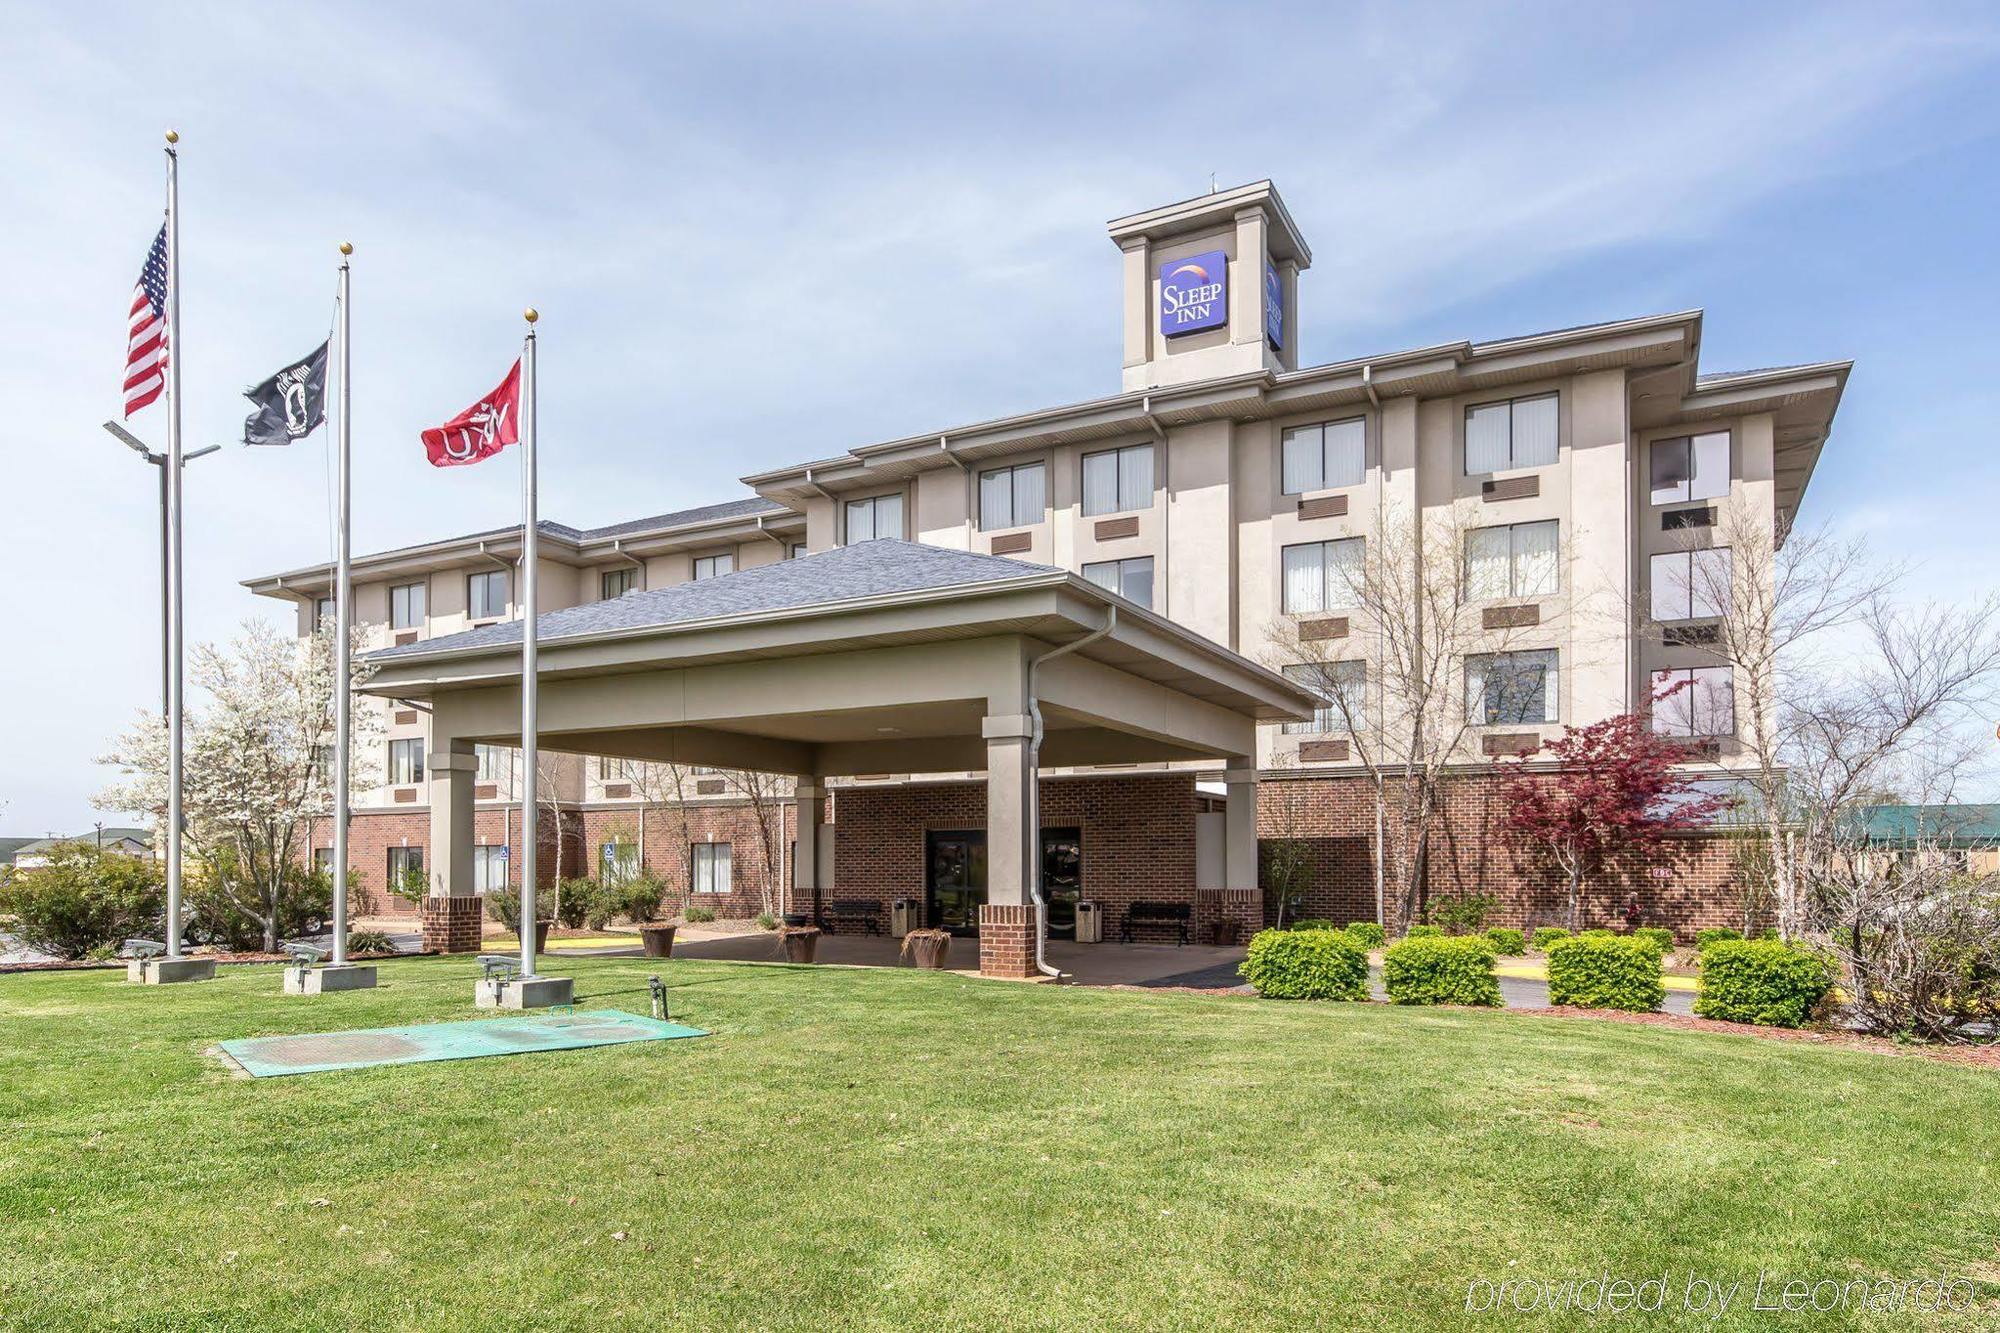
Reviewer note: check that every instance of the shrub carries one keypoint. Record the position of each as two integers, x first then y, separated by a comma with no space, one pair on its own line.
766,921
1368,934
1764,982
1598,933
1461,914
1454,970
369,941
1306,965
699,915
1507,940
1659,937
1422,932
1605,972
1312,923
638,899
82,899
574,898
305,904
1547,935
1704,938
504,906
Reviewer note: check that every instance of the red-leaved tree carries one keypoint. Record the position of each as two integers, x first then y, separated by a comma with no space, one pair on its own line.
1615,792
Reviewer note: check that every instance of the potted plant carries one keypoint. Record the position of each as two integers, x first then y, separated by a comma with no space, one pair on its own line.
1228,930
658,937
926,947
800,942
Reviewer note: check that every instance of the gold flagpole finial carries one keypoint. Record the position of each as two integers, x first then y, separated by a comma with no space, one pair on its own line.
347,247
531,314
173,136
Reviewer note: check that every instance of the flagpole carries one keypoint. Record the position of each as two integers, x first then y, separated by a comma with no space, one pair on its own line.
175,572
343,592
530,556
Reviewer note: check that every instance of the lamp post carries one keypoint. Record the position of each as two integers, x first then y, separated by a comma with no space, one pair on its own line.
132,442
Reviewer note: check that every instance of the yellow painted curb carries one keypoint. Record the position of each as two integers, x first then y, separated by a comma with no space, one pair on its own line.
1536,972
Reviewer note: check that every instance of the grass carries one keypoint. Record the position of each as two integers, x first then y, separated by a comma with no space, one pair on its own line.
894,1149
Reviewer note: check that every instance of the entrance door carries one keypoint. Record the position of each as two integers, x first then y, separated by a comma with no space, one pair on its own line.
954,879
1062,878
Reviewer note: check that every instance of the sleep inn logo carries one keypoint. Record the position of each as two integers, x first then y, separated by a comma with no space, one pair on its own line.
1194,293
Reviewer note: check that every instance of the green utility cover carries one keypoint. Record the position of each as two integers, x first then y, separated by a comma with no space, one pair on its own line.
268,1057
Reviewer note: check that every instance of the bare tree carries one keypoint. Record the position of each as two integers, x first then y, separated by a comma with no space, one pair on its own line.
1396,681
664,787
765,794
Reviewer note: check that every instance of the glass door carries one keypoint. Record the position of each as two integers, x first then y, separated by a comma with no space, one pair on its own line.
954,879
1062,878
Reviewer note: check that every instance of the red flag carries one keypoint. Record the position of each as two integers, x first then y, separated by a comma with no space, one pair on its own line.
480,431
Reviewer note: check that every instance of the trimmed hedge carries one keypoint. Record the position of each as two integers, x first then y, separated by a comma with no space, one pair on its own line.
1312,923
1765,982
1507,940
1547,935
1306,965
1704,938
1598,933
1658,936
1429,970
1369,934
1605,972
1424,933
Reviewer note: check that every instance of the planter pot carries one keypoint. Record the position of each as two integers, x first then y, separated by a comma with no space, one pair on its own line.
798,919
1228,931
801,947
542,936
659,940
929,953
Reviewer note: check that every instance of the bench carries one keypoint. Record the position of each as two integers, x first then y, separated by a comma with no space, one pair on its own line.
1173,916
864,914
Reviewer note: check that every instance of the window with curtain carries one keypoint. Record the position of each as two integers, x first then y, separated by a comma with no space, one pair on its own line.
711,867
1013,497
1118,480
710,566
1514,561
486,594
1131,579
496,763
1337,683
1691,585
1518,433
406,606
797,549
617,582
489,867
1323,576
1690,467
406,865
323,614
1511,689
617,862
323,860
877,516
406,761
1695,701
1325,456
614,770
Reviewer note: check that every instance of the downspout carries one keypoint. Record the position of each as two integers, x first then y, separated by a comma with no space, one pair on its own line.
1381,694
618,549
1034,812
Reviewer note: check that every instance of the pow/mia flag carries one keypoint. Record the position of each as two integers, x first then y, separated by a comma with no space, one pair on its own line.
290,405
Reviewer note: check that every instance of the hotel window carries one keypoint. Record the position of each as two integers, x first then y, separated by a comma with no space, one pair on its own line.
486,594
1338,683
1323,576
1510,689
710,566
1131,579
711,867
406,606
496,763
1695,701
489,867
1517,560
406,866
1691,467
1013,497
617,862
614,770
1118,480
877,516
797,549
323,860
323,611
616,583
1691,585
1326,456
406,761
1518,433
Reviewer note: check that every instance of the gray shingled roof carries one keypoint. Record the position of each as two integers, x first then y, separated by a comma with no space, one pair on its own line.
755,504
870,569
1713,376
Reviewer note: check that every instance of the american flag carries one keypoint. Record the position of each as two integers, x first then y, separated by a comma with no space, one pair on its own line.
146,346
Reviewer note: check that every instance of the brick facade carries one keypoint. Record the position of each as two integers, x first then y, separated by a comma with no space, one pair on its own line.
452,925
1007,941
371,833
668,832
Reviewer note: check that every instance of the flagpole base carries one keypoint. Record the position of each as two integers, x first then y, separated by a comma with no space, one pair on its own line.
531,993
167,971
327,979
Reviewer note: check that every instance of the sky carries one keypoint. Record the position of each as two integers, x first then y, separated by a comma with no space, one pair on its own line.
759,235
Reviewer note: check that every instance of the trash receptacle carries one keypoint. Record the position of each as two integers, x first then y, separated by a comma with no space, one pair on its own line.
901,912
1089,923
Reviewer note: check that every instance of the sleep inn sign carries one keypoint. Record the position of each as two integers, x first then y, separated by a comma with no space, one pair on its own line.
1194,293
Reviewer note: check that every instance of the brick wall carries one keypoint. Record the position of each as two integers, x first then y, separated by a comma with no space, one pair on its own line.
371,833
669,831
1138,835
1695,886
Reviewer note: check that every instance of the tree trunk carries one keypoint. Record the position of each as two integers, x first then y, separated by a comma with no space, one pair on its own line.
1575,898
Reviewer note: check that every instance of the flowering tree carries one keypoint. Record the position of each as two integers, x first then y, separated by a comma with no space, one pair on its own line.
259,764
1615,791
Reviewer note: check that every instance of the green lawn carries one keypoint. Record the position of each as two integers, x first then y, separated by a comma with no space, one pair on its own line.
901,1149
